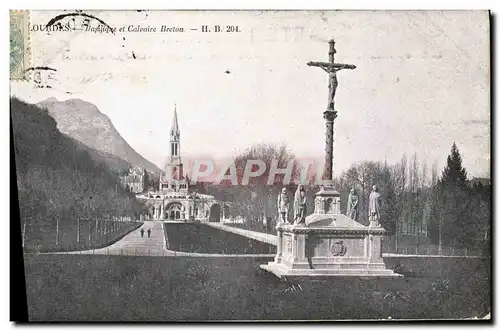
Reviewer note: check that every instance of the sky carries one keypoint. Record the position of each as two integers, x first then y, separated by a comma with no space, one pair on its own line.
421,82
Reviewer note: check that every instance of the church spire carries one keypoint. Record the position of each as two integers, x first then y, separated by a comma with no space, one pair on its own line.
175,136
172,182
175,124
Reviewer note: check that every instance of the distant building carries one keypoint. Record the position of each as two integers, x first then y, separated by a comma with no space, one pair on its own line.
173,201
136,180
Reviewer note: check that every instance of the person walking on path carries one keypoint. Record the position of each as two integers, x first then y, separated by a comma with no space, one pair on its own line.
149,233
142,233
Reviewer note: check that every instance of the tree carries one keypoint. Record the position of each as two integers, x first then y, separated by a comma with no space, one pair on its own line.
389,203
435,219
454,174
453,206
145,180
153,182
256,199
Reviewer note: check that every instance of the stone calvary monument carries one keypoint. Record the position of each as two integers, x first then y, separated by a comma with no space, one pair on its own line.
328,243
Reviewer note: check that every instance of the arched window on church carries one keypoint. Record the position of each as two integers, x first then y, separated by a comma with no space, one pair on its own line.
175,149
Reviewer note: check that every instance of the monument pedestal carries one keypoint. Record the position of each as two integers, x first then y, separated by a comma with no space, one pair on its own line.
329,244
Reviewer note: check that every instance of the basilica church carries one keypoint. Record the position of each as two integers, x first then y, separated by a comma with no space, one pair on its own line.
173,201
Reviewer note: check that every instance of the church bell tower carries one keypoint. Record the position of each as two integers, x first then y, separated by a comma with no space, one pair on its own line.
174,176
175,141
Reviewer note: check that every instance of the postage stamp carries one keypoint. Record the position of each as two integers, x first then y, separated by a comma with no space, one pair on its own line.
19,44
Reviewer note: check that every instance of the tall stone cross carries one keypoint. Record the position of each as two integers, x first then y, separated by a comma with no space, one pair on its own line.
330,114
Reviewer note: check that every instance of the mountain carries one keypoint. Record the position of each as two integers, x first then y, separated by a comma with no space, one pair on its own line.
82,120
112,161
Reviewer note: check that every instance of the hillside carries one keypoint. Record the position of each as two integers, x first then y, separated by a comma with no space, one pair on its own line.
113,162
58,181
84,122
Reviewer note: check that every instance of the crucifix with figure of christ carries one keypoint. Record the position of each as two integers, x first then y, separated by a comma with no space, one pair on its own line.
331,68
330,114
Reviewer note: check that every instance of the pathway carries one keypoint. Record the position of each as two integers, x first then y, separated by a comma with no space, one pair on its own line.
260,236
134,244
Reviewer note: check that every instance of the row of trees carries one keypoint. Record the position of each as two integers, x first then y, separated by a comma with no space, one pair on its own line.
57,182
447,211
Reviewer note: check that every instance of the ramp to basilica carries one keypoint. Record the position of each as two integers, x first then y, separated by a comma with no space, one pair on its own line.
262,237
135,244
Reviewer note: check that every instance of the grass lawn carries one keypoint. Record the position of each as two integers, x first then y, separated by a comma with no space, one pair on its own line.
91,237
201,238
128,288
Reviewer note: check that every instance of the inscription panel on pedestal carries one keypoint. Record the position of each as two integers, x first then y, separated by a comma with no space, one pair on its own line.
337,246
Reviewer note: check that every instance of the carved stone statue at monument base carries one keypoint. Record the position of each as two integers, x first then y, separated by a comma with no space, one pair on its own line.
299,205
283,204
374,207
352,205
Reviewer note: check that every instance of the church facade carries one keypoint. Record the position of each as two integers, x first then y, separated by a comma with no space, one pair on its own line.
135,181
173,201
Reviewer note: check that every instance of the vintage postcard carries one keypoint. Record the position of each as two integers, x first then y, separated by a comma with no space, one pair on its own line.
251,165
